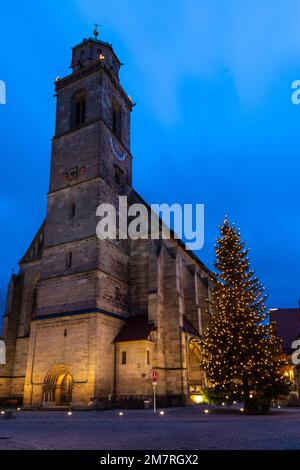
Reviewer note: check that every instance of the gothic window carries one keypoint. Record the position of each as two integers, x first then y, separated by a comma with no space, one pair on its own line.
69,260
148,358
72,210
34,302
81,57
116,120
124,358
40,244
78,109
117,292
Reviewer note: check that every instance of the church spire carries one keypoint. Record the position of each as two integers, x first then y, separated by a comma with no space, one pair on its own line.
96,32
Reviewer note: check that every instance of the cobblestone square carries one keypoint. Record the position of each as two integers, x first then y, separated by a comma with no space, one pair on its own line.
187,428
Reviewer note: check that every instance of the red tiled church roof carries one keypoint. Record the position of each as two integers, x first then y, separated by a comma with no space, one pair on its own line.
188,327
137,328
287,325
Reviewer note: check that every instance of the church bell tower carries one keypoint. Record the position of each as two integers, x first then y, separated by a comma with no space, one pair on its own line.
91,164
84,289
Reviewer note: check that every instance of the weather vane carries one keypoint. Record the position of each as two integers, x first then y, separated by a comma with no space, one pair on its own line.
96,32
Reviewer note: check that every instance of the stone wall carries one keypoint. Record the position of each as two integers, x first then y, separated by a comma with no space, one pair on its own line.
134,377
71,342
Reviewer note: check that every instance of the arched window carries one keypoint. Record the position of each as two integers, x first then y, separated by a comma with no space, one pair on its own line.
78,109
72,210
124,358
116,120
70,260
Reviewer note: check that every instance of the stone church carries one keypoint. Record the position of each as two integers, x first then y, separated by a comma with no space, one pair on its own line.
87,320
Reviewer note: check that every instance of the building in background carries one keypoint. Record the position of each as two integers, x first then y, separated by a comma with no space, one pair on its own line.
86,321
288,330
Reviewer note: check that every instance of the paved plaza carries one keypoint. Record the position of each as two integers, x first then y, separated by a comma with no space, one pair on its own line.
187,428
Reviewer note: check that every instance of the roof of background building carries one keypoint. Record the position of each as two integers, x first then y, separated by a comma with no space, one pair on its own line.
287,325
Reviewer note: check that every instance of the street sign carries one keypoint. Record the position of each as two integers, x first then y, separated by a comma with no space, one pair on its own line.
154,376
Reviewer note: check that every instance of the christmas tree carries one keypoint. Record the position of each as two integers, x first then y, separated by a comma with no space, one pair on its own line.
240,348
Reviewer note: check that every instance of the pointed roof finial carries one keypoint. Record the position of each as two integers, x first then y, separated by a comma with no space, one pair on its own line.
96,32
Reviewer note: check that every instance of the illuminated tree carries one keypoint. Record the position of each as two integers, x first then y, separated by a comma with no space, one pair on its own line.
240,347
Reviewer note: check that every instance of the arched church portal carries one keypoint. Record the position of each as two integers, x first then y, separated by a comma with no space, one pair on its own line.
58,386
196,378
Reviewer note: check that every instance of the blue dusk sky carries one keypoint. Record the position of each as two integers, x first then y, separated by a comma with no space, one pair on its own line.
214,121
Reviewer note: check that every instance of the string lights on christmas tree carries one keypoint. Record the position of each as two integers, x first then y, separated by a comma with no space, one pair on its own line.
240,348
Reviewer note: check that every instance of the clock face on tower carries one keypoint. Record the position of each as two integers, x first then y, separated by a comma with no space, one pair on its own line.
118,153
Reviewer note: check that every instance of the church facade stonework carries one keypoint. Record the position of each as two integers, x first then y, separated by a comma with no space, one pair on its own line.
87,320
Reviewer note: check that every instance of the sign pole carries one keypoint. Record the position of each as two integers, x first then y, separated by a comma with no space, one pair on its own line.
154,383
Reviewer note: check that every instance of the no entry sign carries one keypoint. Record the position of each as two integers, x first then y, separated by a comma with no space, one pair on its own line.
154,376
